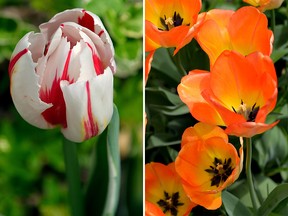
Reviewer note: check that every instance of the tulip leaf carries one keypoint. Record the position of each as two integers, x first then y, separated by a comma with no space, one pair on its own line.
158,93
162,62
102,192
274,199
278,54
233,205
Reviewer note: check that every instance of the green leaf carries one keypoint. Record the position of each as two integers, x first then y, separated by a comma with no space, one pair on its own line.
102,192
273,199
278,54
162,62
233,205
272,145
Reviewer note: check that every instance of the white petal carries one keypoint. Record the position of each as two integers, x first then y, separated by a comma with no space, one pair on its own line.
86,119
24,85
87,70
51,26
55,65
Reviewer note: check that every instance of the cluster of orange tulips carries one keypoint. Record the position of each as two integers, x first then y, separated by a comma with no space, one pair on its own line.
233,98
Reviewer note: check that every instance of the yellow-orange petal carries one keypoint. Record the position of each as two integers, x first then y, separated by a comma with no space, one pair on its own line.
166,39
192,163
202,132
189,91
272,4
256,3
215,24
248,129
152,209
191,33
210,201
248,30
160,179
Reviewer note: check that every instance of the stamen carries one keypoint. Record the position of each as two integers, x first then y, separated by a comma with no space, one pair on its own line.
248,113
220,171
170,22
170,203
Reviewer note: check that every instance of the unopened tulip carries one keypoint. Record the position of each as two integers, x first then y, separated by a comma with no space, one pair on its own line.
63,76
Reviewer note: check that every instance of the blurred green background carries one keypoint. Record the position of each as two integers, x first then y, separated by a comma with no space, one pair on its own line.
32,170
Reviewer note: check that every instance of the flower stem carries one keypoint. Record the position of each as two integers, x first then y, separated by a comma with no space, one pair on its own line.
75,196
273,20
182,71
255,201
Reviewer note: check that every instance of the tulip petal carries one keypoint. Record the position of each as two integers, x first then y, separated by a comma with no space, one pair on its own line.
190,90
148,62
159,179
202,131
152,209
215,24
25,86
83,18
257,36
89,106
248,129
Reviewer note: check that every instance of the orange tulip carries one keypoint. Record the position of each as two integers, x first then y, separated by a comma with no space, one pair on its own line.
163,188
170,23
244,31
238,93
207,164
265,4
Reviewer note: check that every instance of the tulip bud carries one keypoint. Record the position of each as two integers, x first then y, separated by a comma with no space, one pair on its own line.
63,76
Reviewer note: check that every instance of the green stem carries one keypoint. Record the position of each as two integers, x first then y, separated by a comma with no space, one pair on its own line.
75,196
273,20
179,65
255,201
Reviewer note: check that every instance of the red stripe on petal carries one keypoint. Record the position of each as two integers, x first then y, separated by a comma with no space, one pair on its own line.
15,59
100,33
91,127
96,61
86,21
65,75
56,114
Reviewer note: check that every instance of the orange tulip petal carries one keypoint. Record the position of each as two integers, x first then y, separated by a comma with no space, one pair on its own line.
233,79
248,129
202,132
215,24
148,62
192,163
248,29
169,38
210,201
159,179
189,91
152,209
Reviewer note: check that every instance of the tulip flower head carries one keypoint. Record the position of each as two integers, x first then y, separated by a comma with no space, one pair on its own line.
164,190
265,4
233,93
63,76
245,31
170,23
207,164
